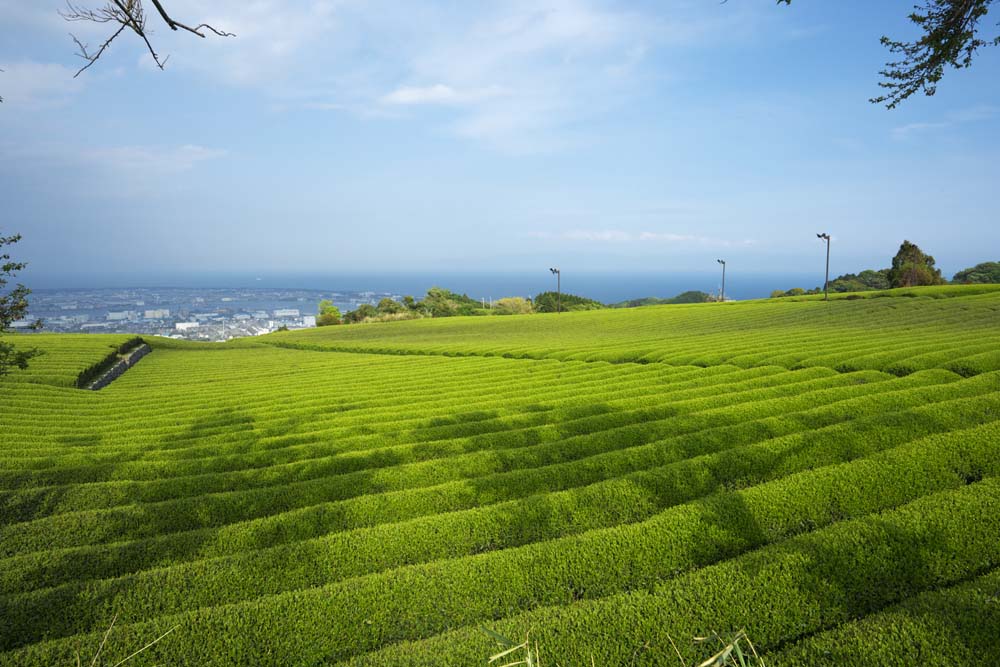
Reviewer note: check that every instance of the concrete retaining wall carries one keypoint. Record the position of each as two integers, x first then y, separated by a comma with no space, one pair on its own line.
123,365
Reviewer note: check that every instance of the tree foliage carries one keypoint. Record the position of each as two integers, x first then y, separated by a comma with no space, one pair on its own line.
950,38
691,296
13,307
389,307
548,302
987,272
864,281
512,305
911,267
328,314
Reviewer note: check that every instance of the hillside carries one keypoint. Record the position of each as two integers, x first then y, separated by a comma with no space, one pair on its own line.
822,474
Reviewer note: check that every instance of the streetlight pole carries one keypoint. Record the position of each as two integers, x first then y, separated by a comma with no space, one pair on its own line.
558,275
722,297
826,283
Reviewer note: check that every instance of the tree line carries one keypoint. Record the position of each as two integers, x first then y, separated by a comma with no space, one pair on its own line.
911,267
440,302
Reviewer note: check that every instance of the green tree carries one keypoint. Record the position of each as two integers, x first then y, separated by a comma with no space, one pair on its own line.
361,313
865,281
911,267
950,38
328,314
389,307
13,307
437,304
548,302
512,305
987,272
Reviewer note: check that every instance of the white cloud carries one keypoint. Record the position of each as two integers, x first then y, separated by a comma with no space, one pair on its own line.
152,159
34,85
906,131
440,94
960,117
513,75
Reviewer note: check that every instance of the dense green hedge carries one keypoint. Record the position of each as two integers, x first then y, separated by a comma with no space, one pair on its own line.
624,557
794,587
784,591
958,625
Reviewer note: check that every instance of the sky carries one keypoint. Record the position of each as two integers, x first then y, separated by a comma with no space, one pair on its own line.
340,136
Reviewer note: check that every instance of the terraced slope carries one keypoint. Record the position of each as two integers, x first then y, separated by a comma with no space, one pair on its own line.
62,359
956,327
295,506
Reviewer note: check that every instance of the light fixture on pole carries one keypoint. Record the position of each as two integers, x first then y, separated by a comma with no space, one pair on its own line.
558,276
826,283
722,295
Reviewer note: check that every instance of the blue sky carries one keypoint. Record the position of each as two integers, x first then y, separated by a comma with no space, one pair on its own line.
344,136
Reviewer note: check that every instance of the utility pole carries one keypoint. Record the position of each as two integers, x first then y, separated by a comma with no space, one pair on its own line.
826,283
558,275
722,297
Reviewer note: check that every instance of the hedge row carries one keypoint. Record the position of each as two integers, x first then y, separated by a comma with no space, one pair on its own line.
959,625
682,480
780,593
814,333
590,565
801,585
486,418
131,522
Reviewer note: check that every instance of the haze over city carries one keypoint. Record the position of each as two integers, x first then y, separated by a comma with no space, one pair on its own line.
349,137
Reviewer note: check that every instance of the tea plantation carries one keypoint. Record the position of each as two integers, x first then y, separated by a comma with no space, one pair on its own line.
823,474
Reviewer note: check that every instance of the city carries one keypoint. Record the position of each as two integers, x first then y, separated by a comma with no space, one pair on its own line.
216,314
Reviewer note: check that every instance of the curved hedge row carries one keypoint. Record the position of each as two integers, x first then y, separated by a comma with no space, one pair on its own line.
809,471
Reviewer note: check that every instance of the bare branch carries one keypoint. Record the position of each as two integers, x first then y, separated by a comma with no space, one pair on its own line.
91,58
127,14
174,25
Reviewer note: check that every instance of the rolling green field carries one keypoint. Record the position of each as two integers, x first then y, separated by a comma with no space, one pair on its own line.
824,475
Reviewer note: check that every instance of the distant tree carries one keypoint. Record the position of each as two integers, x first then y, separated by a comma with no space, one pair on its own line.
987,272
328,314
795,291
950,39
777,294
692,296
549,302
411,303
512,305
865,281
911,267
361,313
13,307
440,302
437,303
389,307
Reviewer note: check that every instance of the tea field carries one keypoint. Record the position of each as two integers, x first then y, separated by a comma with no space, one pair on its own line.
823,474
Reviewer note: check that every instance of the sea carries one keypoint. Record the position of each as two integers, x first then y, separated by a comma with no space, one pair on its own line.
606,287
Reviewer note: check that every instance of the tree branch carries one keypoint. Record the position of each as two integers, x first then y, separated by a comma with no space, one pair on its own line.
92,58
174,25
128,14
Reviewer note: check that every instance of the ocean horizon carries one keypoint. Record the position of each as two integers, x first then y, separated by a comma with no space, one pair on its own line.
603,286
